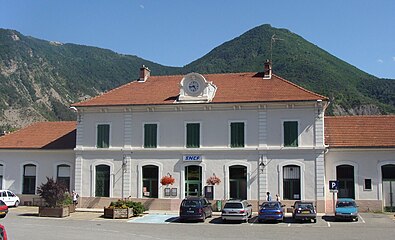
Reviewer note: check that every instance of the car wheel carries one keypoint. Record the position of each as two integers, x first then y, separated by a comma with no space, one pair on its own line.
204,217
16,204
356,219
260,221
2,216
314,220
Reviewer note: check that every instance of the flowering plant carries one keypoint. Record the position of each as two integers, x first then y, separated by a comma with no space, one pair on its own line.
213,180
166,180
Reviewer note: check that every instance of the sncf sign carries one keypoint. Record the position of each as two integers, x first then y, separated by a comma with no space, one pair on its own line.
192,158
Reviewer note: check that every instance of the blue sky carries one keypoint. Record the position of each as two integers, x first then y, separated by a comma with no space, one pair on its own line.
175,33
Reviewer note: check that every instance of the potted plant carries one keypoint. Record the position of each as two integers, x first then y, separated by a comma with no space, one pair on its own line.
213,180
167,180
56,197
123,209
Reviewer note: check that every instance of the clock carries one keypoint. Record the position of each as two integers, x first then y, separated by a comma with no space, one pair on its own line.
193,87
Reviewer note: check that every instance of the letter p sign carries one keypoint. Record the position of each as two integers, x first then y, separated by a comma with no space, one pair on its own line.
333,185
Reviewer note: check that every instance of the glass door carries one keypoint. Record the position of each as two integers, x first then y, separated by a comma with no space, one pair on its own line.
193,181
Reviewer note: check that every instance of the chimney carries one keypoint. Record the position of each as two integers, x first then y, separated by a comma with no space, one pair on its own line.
144,73
267,72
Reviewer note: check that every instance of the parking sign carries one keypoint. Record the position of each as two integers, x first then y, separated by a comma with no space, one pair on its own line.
333,185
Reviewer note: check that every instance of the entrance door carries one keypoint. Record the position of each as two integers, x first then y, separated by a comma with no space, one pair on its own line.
238,182
102,181
388,174
345,176
193,181
150,181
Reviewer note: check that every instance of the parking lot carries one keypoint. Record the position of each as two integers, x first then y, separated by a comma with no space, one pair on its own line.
24,223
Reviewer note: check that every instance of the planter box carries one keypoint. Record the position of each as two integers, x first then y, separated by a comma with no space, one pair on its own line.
118,213
72,208
59,212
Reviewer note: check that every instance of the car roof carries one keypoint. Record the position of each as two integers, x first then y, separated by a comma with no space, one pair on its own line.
193,198
235,201
304,202
345,200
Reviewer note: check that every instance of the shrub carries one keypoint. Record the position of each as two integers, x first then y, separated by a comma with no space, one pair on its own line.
138,207
54,193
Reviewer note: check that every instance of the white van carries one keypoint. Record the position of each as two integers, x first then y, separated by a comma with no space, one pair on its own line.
9,198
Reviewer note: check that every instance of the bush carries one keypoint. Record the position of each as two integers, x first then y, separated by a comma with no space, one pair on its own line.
138,207
54,193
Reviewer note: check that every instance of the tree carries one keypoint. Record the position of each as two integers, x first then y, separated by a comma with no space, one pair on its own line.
54,193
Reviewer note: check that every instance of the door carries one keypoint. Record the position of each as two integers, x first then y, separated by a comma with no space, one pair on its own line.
150,181
102,181
238,182
193,181
388,175
345,176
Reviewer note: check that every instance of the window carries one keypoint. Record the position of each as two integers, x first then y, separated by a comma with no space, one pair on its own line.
29,179
368,184
291,182
237,134
103,136
193,135
291,134
63,175
150,135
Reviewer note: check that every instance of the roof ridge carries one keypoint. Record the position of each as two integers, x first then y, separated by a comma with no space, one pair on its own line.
360,116
301,88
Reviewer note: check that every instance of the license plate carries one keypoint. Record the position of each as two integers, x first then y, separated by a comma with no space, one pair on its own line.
190,211
305,211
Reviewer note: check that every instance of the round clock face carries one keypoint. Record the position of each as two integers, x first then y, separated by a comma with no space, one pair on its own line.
194,86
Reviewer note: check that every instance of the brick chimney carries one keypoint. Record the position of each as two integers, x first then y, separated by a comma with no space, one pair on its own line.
267,71
144,73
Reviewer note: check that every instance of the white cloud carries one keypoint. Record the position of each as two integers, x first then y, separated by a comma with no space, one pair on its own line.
380,61
141,6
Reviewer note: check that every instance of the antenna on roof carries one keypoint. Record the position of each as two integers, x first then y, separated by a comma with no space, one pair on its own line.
273,40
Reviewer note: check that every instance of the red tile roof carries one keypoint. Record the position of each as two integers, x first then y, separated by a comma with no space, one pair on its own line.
231,88
42,135
360,131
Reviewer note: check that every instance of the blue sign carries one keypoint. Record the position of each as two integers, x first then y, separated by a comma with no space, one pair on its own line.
333,185
192,158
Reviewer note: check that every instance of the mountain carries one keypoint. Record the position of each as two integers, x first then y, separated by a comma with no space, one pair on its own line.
351,90
39,79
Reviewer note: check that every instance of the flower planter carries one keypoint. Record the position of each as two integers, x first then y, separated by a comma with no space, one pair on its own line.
116,213
59,212
72,208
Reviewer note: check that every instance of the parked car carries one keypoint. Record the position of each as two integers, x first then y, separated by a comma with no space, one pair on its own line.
9,198
346,208
304,211
271,211
238,210
3,233
195,208
3,209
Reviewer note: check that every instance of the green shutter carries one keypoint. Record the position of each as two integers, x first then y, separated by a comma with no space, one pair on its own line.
291,134
103,136
237,134
150,135
193,135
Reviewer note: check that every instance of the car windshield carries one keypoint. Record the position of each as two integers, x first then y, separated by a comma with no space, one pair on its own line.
191,203
270,205
305,206
233,205
345,204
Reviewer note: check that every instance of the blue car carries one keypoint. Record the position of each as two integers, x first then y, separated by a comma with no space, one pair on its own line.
271,211
346,208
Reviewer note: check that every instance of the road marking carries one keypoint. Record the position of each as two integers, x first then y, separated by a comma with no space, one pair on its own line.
289,224
359,216
329,224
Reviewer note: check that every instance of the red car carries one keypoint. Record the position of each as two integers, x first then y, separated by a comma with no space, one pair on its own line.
3,233
3,209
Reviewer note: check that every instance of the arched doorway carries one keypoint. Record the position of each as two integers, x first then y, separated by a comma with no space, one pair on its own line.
345,176
193,180
388,175
291,182
102,181
150,181
238,182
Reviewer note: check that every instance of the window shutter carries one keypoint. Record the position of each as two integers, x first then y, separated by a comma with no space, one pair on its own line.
103,136
193,135
150,135
291,134
237,134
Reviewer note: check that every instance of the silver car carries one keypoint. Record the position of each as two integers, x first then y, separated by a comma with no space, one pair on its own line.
238,210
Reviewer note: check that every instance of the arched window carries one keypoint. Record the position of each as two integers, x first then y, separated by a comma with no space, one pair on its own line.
150,181
63,175
102,181
291,182
29,179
